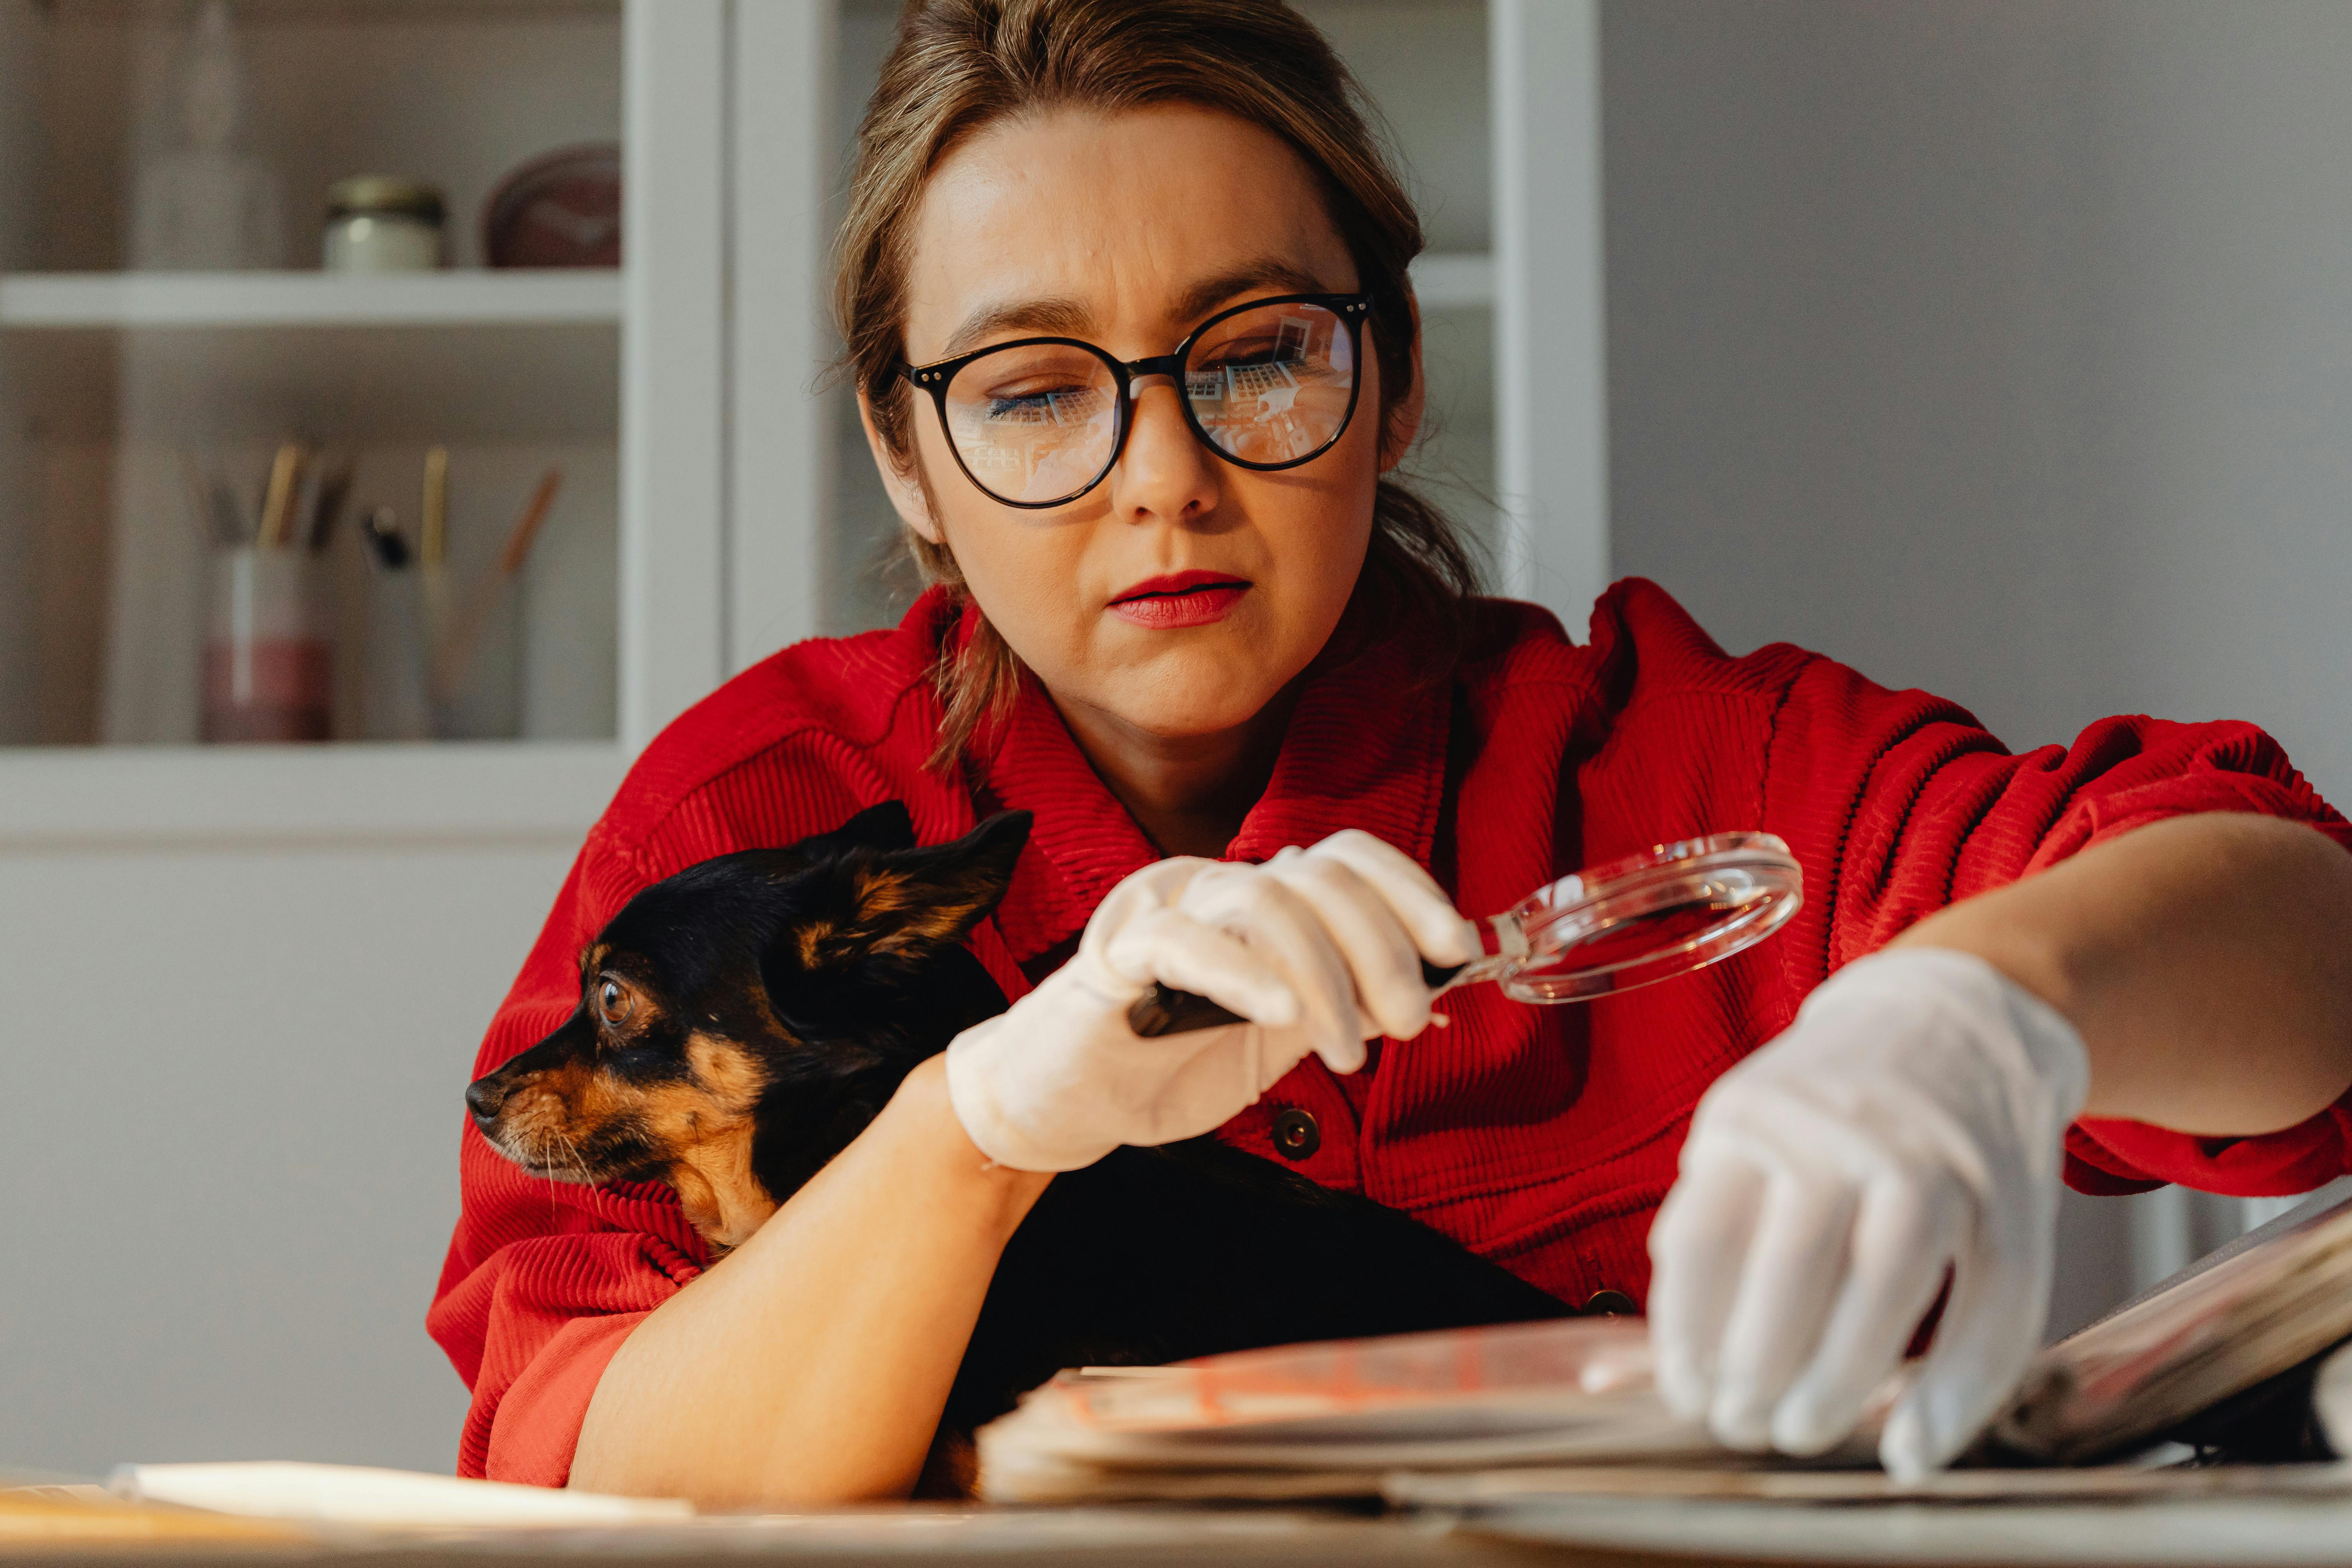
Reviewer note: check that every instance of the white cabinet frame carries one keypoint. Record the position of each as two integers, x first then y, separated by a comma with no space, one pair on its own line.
674,348
1552,392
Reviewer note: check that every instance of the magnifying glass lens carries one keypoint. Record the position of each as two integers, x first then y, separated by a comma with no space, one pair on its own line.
1666,912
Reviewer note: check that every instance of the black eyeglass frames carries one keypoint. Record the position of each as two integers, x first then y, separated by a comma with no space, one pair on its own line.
1039,421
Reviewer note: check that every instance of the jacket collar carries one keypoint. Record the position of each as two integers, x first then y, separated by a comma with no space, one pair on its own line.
1366,748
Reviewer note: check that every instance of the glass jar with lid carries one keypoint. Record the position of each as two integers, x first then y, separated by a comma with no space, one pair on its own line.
384,222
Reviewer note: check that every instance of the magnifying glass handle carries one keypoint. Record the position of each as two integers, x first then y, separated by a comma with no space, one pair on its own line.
1163,1010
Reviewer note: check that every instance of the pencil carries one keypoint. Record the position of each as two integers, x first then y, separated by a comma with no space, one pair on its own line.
433,538
278,505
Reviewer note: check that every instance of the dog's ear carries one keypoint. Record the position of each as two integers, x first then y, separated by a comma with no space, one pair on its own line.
885,826
908,903
913,901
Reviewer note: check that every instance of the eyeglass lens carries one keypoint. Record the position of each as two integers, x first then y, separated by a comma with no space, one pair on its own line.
1039,423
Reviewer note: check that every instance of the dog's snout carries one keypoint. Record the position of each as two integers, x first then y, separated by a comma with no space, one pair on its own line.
485,1097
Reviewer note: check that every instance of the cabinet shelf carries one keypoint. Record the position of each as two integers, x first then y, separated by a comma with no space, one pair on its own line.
255,300
341,796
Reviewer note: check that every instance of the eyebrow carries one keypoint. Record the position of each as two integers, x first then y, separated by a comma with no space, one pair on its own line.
1064,317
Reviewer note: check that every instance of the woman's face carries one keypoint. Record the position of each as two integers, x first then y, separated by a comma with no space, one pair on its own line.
1129,231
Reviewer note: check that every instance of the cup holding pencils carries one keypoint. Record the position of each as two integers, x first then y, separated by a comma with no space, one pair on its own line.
268,659
445,648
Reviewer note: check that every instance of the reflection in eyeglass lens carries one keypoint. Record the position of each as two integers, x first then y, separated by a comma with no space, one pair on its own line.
1036,423
1273,385
1033,423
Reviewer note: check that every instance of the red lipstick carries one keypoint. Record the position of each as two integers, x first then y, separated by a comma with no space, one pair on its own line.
1180,599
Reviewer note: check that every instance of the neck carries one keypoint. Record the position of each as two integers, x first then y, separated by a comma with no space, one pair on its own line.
1190,793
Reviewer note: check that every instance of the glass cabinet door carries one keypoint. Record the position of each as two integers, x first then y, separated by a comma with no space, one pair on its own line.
310,370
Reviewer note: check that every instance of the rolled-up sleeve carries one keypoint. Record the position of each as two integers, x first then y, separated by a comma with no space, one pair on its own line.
1898,803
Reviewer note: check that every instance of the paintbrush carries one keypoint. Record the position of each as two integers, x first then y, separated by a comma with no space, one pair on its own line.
451,656
433,545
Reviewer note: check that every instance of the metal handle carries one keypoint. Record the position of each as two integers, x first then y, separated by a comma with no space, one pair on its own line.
1163,1010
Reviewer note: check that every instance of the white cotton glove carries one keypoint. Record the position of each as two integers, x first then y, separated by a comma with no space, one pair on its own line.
1320,948
1911,1117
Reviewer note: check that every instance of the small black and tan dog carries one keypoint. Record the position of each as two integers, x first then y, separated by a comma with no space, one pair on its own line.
740,1023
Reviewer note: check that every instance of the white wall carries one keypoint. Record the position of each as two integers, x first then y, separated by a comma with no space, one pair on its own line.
1997,348
229,1112
2000,348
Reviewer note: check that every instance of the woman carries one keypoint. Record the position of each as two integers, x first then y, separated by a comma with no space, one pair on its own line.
1177,612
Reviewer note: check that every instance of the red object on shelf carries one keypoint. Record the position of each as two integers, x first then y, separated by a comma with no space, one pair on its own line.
561,209
269,690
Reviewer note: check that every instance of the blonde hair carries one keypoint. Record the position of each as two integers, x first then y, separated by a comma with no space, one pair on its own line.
958,65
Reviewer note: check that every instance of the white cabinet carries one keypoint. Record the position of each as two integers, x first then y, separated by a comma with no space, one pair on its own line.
717,501
165,333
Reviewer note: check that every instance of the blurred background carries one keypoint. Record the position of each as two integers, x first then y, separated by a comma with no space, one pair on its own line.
406,407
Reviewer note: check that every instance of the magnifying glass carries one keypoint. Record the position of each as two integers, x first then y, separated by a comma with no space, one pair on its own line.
1667,911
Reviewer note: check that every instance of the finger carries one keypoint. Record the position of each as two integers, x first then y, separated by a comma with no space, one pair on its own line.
1697,1245
1902,1237
1284,932
1795,1260
1989,1333
1380,955
1210,1084
1172,948
1428,916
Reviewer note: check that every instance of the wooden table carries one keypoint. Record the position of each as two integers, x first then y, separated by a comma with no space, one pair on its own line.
1595,1532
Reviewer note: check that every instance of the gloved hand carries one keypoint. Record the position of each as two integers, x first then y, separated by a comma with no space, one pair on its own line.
1911,1117
1319,949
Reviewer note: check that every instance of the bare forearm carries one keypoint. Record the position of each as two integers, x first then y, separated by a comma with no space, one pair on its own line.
2206,962
811,1364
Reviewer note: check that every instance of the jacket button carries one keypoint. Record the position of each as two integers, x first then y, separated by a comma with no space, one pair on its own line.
1610,1304
1296,1135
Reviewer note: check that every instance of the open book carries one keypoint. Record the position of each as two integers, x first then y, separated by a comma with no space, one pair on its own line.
1348,1418
2264,1306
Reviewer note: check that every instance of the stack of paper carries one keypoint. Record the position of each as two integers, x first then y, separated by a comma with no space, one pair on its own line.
1329,1420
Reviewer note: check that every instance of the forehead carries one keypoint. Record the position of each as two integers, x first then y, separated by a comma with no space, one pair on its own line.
1116,216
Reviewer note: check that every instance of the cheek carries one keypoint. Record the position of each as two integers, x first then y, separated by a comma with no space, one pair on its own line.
1318,522
1028,570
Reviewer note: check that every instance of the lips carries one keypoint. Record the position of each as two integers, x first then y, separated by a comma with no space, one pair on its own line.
1180,599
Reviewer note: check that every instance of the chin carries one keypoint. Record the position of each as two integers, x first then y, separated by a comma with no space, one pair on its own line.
1202,690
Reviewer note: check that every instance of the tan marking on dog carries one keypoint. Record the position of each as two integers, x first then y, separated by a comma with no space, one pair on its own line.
702,1129
730,1072
591,957
699,1129
811,939
546,1117
951,1469
885,896
722,1199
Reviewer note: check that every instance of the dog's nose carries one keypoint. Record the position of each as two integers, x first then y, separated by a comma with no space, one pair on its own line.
484,1096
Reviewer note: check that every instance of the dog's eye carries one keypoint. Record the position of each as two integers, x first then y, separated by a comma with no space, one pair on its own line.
614,1001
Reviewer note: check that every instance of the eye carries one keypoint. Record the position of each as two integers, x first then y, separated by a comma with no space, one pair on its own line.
614,1000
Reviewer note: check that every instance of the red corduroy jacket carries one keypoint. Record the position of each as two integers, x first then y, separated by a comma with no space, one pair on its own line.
1543,1138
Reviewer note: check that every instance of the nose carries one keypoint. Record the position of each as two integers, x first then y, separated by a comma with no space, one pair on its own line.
484,1097
1165,472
